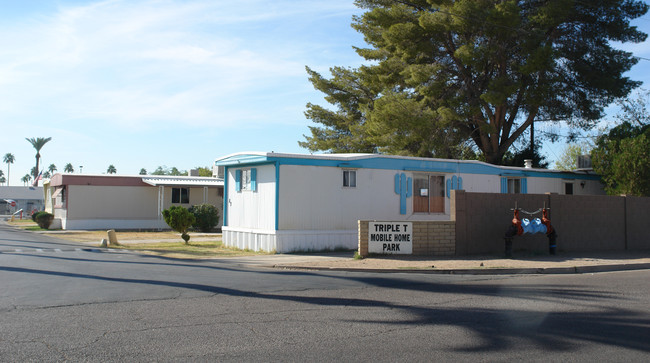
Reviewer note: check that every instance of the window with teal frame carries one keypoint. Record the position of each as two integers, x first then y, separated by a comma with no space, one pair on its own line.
246,179
514,185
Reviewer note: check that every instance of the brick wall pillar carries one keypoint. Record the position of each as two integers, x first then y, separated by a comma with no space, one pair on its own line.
363,238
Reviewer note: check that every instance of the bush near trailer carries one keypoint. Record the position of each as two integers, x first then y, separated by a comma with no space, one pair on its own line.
207,217
180,220
43,219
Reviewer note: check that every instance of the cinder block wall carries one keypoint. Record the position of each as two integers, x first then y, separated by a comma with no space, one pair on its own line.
583,223
589,223
430,238
482,220
637,216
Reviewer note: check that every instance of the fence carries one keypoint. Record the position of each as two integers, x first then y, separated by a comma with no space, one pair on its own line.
583,223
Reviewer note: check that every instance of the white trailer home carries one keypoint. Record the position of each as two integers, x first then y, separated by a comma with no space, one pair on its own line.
294,202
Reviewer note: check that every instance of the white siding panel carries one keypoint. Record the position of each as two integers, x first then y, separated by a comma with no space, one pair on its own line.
253,209
313,198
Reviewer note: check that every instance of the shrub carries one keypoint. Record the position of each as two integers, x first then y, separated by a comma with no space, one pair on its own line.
43,219
206,215
180,220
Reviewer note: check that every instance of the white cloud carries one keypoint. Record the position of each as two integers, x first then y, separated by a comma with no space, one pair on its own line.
140,64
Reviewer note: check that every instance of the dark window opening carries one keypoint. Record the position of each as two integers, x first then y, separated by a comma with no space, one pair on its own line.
181,195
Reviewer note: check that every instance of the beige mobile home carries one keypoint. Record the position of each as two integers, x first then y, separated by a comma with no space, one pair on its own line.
125,202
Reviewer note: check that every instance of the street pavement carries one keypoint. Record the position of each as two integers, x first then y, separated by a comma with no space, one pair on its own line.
62,301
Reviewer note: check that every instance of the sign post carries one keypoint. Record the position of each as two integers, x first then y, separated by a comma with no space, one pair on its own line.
390,238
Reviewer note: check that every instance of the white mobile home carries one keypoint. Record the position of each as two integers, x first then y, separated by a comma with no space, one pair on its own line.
294,202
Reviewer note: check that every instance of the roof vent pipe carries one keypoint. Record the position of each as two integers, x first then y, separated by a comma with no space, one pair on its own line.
528,163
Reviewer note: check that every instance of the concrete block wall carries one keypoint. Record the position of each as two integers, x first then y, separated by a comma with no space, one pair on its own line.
637,228
482,220
430,238
363,238
589,223
434,238
583,223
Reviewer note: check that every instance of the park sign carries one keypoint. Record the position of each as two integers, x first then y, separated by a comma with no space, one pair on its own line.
390,237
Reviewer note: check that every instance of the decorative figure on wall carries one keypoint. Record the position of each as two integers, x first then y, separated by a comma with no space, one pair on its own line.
520,227
454,183
403,187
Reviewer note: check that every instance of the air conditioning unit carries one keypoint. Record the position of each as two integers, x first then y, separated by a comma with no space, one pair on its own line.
219,171
584,162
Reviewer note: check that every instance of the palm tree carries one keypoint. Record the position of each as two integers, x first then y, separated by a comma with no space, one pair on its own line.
38,144
51,169
111,169
9,159
2,180
26,179
68,168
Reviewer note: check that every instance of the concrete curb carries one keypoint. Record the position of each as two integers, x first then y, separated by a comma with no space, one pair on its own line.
477,271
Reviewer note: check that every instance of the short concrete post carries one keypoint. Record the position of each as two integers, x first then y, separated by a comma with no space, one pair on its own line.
104,243
112,237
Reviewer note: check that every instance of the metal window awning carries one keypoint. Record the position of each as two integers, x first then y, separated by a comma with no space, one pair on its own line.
183,181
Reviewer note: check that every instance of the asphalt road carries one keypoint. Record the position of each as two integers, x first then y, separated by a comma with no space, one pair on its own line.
60,301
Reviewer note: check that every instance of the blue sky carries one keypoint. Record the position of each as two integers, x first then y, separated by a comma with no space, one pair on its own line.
148,83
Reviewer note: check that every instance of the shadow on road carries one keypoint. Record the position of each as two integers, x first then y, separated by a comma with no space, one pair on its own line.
498,328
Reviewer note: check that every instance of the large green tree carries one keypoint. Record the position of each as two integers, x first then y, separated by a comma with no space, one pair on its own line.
164,170
38,144
344,128
568,159
444,71
622,158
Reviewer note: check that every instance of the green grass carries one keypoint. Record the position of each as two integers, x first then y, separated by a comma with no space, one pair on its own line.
27,225
33,228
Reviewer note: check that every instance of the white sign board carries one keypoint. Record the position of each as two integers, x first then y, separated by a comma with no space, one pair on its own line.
390,237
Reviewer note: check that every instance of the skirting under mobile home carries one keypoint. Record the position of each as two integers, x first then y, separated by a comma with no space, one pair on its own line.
294,202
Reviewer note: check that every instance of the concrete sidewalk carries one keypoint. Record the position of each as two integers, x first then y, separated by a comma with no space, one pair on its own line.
564,263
